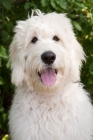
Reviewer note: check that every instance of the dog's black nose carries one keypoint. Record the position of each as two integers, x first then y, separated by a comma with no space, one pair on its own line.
48,57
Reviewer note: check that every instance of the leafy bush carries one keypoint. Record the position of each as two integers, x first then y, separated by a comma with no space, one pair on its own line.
81,14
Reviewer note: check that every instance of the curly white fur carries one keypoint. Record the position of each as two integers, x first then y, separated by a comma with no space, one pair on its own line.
59,112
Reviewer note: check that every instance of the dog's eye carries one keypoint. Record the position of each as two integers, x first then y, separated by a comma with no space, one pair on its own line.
55,38
34,40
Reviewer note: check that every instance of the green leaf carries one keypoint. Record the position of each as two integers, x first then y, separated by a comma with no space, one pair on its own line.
79,5
3,120
91,66
62,4
7,4
3,53
27,5
71,1
53,4
4,35
90,82
0,27
91,74
1,109
77,26
6,137
1,81
0,62
3,117
87,30
8,64
44,3
79,0
9,26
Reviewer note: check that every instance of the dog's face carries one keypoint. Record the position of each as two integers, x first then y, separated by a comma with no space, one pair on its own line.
45,54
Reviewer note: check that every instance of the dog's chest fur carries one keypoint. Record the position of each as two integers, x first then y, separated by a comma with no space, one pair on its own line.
56,117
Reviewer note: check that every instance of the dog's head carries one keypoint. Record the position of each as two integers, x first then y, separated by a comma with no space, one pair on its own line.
44,53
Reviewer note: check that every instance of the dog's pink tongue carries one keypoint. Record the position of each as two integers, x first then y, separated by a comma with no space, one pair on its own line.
48,77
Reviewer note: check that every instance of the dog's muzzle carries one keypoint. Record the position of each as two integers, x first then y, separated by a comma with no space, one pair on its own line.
48,76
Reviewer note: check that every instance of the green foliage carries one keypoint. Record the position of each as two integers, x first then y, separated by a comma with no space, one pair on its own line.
81,14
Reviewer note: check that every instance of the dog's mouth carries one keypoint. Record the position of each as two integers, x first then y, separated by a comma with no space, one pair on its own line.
48,76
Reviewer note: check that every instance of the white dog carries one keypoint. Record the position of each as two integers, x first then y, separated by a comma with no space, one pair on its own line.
49,103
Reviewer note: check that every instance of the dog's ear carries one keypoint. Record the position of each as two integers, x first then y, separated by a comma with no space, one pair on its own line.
16,55
77,57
